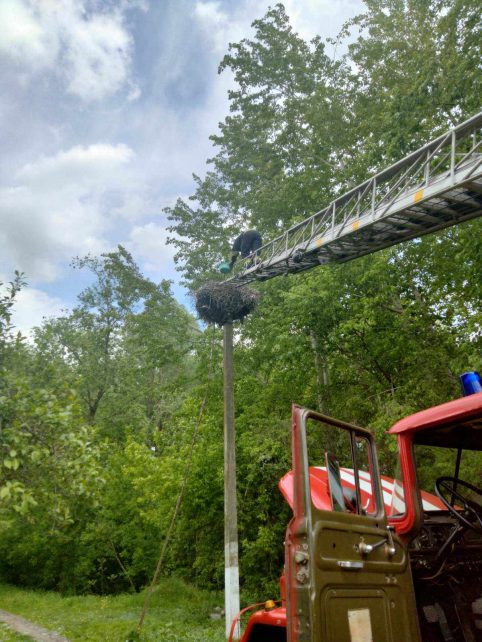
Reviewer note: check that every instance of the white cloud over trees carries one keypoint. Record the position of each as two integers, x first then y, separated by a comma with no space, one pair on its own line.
90,51
32,306
57,207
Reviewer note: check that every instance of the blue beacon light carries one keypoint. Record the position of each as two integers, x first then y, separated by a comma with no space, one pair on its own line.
471,383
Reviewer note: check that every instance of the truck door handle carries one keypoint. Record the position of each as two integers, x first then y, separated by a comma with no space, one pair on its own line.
365,549
348,565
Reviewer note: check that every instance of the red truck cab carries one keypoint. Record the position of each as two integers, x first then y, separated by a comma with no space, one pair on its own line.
369,556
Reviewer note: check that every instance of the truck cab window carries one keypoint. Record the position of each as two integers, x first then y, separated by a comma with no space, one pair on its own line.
340,469
433,463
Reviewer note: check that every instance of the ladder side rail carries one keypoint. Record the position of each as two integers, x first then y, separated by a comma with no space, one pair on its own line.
432,148
474,168
453,145
343,213
416,179
380,216
360,195
393,191
426,176
298,236
326,222
386,187
392,171
469,124
441,157
282,238
469,154
439,154
373,198
367,199
461,129
433,155
318,230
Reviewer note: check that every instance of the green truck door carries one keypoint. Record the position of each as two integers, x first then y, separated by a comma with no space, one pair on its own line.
348,577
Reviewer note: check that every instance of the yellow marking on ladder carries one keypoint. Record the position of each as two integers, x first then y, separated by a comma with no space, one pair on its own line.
355,225
319,242
418,196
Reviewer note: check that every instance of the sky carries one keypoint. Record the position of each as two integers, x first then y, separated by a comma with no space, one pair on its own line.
106,107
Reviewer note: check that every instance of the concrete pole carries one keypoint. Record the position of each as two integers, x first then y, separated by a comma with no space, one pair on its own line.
231,567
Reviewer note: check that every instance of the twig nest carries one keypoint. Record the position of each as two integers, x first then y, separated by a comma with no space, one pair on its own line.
224,302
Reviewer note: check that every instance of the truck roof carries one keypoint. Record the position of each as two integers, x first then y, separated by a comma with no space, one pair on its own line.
453,424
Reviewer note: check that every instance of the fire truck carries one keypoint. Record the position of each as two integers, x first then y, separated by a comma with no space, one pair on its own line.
369,555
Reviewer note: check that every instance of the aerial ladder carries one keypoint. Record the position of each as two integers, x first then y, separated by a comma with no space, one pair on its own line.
435,187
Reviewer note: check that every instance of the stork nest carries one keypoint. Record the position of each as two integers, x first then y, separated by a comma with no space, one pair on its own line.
221,303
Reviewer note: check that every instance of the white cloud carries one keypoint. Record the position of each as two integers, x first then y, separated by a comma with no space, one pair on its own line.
32,306
309,18
134,93
148,243
86,165
97,57
60,207
24,38
134,207
323,18
218,28
90,50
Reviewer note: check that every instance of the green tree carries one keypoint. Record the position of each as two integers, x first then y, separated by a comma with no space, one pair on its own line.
413,73
276,149
125,344
7,301
50,483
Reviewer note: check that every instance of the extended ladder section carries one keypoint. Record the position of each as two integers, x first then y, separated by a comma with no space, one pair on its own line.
437,186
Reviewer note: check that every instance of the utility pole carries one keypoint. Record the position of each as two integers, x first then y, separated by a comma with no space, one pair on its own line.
231,565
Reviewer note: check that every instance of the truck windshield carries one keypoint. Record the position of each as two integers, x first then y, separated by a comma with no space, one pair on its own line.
433,462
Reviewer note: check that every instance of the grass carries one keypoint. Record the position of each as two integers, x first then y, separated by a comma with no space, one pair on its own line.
177,612
6,635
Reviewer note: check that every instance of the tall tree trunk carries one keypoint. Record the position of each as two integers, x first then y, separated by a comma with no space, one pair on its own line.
322,374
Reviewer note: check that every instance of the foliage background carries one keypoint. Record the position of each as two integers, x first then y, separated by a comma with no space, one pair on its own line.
98,411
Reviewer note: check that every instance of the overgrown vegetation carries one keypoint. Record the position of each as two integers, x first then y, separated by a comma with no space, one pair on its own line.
178,613
97,414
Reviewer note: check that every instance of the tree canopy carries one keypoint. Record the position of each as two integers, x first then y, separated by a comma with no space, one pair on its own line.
97,414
